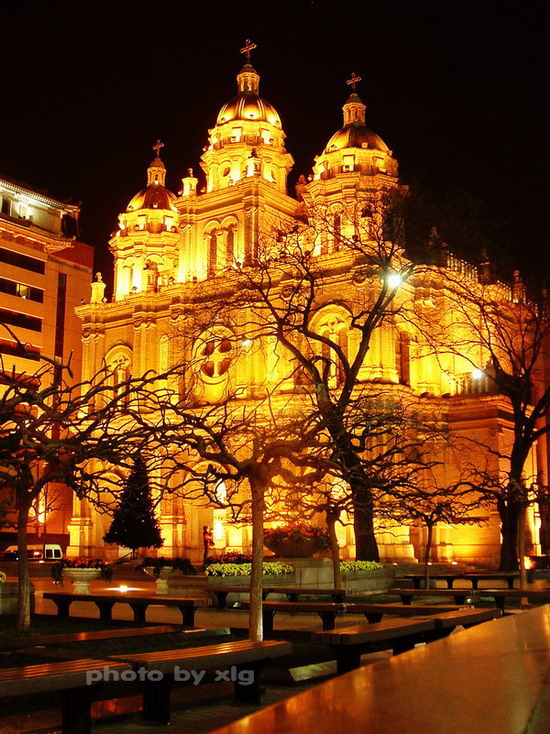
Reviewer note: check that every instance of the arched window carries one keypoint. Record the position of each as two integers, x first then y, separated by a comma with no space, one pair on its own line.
337,229
403,357
230,248
212,252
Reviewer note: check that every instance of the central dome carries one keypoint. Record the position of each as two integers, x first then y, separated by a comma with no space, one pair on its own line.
248,105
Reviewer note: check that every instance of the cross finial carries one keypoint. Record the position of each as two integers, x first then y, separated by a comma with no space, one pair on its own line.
247,48
353,80
157,146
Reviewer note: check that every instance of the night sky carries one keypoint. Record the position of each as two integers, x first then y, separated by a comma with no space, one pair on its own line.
456,89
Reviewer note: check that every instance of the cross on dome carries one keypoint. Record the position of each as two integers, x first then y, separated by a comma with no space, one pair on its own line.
353,80
157,146
247,48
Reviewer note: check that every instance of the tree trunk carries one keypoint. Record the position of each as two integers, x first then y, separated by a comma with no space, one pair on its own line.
255,625
427,555
509,513
366,548
521,553
334,550
24,587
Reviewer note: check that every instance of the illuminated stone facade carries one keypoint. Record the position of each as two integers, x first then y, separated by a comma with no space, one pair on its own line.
174,252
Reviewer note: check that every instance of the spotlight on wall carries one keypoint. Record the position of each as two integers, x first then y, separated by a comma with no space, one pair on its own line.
246,342
394,280
477,374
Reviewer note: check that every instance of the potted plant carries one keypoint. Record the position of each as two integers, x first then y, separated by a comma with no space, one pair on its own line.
161,568
81,571
299,540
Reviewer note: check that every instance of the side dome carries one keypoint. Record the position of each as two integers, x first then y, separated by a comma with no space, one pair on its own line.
154,196
356,136
354,133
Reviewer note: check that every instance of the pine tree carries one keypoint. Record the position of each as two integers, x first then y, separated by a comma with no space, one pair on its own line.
134,524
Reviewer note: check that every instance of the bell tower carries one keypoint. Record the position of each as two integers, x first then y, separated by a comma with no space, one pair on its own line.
248,139
145,245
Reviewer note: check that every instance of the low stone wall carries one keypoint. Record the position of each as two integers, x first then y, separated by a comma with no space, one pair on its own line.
308,572
8,597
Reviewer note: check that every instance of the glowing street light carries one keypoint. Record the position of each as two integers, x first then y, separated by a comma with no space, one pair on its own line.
477,374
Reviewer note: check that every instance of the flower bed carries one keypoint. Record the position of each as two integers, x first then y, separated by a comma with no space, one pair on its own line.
296,541
105,571
3,577
244,569
229,557
176,564
356,566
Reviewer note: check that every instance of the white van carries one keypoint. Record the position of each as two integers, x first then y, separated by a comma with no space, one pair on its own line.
46,552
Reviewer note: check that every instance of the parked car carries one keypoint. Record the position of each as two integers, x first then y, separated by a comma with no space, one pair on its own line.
46,552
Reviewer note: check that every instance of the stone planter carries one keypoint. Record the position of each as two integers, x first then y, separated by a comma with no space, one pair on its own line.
9,593
81,578
162,579
293,548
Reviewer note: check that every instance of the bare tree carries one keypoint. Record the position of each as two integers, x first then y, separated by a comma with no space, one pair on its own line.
501,338
54,431
354,265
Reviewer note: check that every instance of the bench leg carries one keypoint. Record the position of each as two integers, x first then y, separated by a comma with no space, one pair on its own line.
139,613
221,599
265,594
328,620
499,601
373,618
156,700
292,597
188,615
475,583
406,600
63,606
403,644
267,621
338,598
105,610
347,658
460,598
510,583
247,686
76,710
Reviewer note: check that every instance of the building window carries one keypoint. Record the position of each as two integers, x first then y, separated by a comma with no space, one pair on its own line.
60,314
349,163
337,229
21,290
14,318
212,252
230,245
6,207
14,349
403,358
22,261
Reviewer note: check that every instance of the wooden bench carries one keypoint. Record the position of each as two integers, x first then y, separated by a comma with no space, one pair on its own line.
407,595
228,660
500,595
446,622
375,612
138,604
486,679
474,578
326,610
122,632
349,643
67,677
293,593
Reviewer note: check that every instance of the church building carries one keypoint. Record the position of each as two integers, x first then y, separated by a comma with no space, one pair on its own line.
169,247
